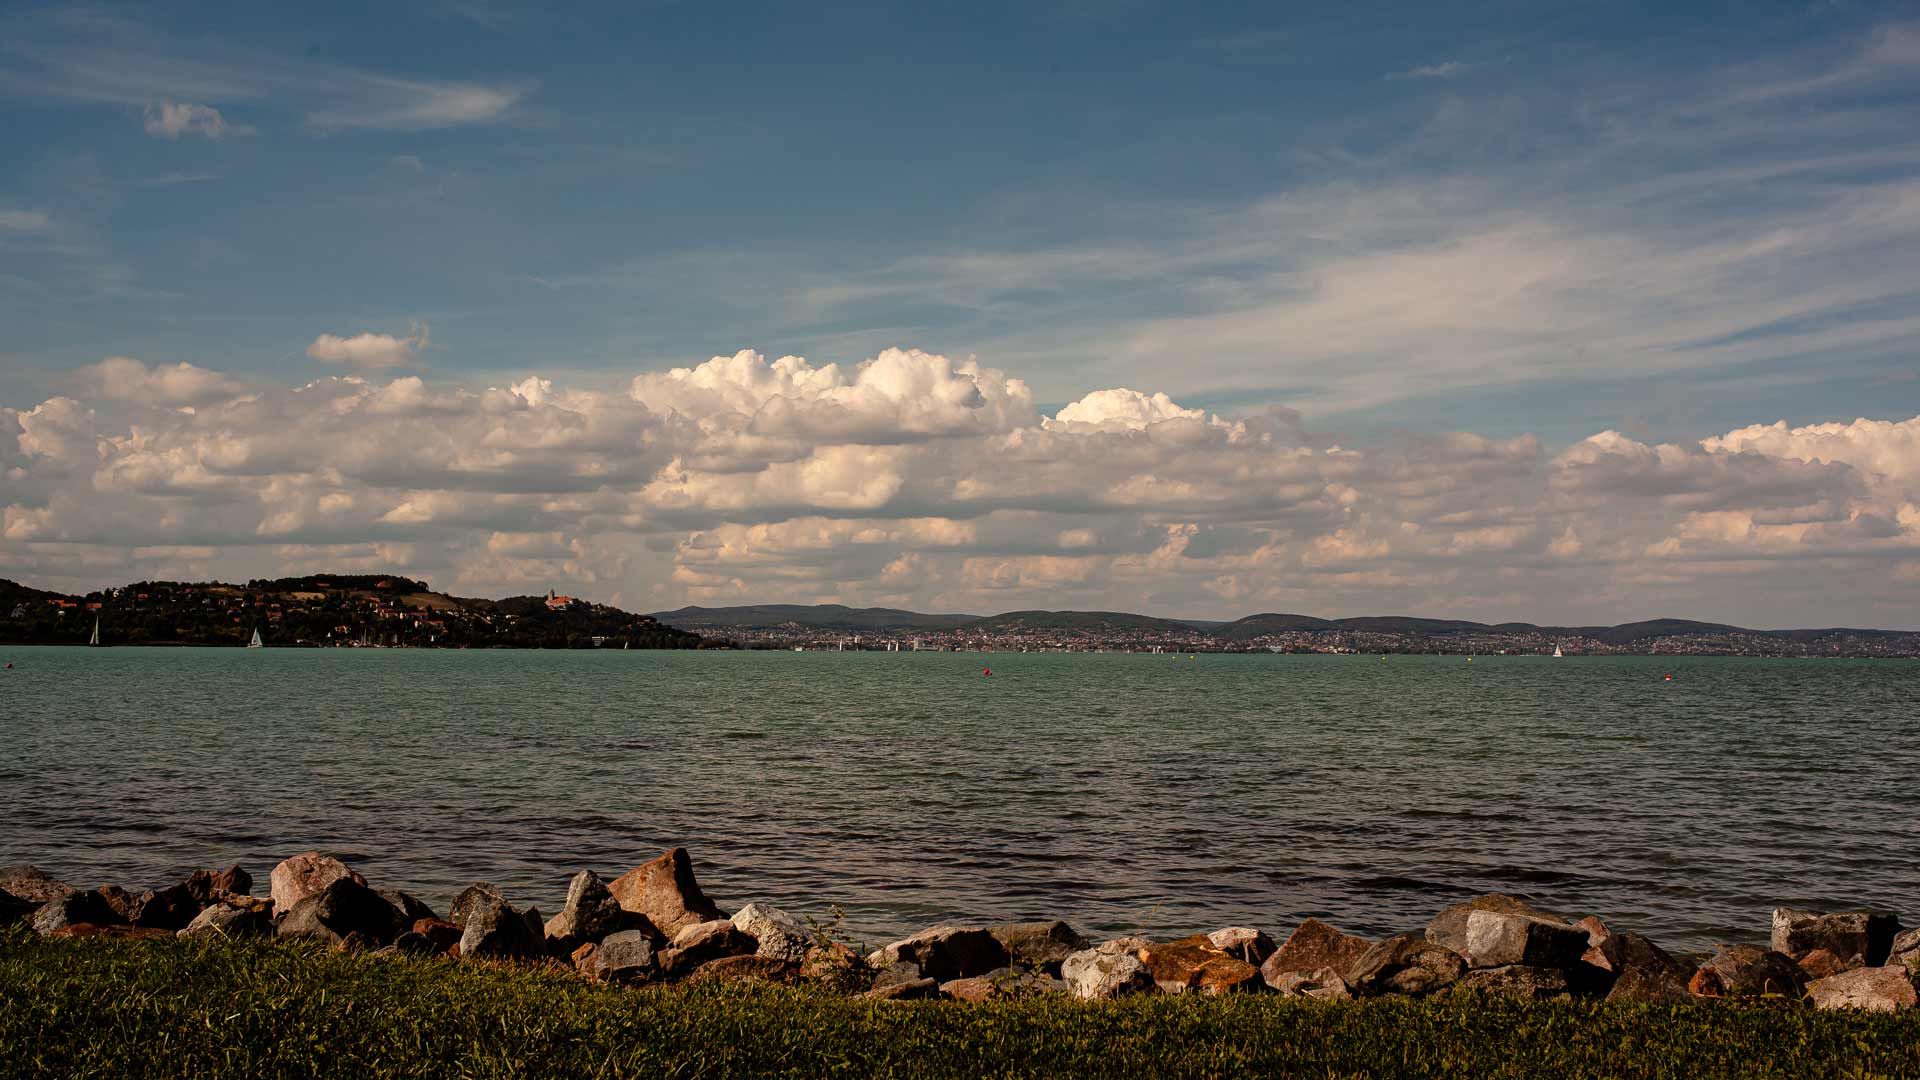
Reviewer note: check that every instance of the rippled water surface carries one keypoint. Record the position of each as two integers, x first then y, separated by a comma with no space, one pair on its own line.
1149,793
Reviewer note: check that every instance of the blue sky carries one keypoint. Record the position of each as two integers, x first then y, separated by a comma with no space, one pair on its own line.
1378,223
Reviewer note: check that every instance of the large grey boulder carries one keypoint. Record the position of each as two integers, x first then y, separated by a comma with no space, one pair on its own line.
1038,945
337,912
1313,947
1745,971
1405,964
590,914
224,921
304,875
1855,938
626,957
1325,984
1906,952
32,884
1243,943
665,891
944,953
1108,970
1875,989
1449,928
781,936
497,930
1498,939
75,909
470,899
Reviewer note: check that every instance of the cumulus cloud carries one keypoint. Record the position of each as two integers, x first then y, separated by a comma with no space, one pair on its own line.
170,120
369,351
910,478
122,378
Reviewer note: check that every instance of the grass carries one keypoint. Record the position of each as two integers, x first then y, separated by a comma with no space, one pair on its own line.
103,1008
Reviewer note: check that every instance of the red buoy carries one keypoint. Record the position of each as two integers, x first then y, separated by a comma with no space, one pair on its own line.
986,671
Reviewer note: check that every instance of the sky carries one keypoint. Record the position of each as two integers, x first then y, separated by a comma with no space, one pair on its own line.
1569,313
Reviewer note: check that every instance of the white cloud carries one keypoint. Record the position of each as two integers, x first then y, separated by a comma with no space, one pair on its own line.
170,120
25,221
913,479
369,351
1444,70
122,378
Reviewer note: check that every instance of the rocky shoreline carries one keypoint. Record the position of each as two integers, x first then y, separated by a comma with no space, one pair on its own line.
654,925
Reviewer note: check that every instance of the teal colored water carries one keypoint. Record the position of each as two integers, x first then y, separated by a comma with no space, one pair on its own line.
1124,793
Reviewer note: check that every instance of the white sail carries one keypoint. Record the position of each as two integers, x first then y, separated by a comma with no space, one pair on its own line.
95,639
256,643
1556,650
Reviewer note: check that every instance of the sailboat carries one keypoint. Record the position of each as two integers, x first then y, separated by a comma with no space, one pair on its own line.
256,643
94,641
1556,651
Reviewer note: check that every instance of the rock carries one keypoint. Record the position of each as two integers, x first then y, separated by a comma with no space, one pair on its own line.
1324,984
478,894
1516,980
1875,989
1906,952
627,957
665,891
975,989
590,914
32,884
1650,985
410,943
902,991
409,908
1449,928
124,904
341,908
497,930
1856,938
13,908
1039,945
1498,939
582,957
1820,963
1196,964
743,969
837,966
1405,964
74,909
1314,946
305,875
118,930
226,921
781,936
701,942
1243,943
172,908
206,886
444,936
1108,970
1741,971
1006,982
944,953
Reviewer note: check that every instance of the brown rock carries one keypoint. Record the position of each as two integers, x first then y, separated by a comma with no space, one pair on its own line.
944,953
342,908
1743,971
32,884
1405,964
1324,984
228,921
171,908
207,885
1875,989
1243,943
305,875
80,930
441,934
836,965
747,968
1516,980
976,989
1449,928
1855,938
1314,946
665,891
74,909
700,943
590,914
912,989
1649,985
1196,964
1041,945
1820,963
582,957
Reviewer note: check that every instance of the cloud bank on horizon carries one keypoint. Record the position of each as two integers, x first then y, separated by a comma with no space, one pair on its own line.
910,479
1585,314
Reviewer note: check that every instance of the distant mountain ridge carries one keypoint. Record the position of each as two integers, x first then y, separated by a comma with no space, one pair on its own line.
1247,628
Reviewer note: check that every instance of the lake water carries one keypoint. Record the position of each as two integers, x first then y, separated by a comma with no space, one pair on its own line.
1124,793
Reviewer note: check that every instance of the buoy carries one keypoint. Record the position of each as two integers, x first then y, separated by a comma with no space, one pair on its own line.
986,671
1669,676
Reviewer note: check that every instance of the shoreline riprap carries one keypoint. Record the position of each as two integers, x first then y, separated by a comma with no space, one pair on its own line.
654,924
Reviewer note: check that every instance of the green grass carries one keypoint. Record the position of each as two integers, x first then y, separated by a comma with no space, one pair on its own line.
98,1008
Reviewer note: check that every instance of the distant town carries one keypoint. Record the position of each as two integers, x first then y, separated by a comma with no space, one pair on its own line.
390,611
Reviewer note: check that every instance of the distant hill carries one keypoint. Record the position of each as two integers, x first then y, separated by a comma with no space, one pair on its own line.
1096,622
1254,626
814,616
